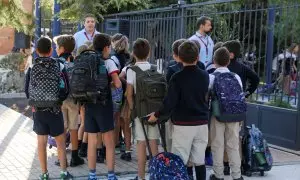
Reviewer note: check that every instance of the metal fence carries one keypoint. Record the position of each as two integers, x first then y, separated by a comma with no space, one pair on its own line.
264,31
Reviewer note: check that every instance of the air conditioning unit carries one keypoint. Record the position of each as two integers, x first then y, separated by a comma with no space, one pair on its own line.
113,26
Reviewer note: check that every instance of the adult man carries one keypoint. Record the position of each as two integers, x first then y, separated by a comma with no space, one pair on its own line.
204,26
88,33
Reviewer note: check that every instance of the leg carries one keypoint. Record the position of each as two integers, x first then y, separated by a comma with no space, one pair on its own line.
197,155
110,150
61,149
217,131
42,152
141,156
92,146
232,148
117,127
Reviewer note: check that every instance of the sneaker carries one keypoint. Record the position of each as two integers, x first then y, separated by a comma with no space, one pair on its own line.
76,161
226,170
67,176
112,178
213,177
44,176
100,156
126,156
92,178
57,163
241,178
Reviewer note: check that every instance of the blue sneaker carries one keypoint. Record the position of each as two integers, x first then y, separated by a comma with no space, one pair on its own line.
112,178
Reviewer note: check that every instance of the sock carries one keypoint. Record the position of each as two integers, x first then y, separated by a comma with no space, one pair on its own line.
226,163
79,143
127,151
110,174
190,171
200,172
83,146
74,153
92,173
207,151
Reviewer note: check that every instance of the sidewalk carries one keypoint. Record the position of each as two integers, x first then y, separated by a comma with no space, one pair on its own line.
18,155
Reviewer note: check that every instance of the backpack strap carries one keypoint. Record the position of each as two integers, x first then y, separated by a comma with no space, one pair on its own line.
136,69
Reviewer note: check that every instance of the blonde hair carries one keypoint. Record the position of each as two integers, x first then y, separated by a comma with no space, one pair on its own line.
121,44
81,49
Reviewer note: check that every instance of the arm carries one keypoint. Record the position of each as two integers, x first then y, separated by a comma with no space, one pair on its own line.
130,91
116,80
253,80
27,81
170,101
169,74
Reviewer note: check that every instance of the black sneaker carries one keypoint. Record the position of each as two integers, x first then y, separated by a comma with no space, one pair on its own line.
241,178
66,176
100,156
226,170
126,156
76,161
213,177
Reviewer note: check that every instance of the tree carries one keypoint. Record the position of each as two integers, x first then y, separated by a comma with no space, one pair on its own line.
13,15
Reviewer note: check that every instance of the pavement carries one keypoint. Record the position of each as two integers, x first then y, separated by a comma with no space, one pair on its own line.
18,153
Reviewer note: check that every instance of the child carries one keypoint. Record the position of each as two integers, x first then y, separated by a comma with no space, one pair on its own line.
126,114
246,74
177,66
65,44
141,52
48,121
210,67
99,116
224,133
187,104
121,56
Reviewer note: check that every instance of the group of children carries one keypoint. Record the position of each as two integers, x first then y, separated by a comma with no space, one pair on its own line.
187,105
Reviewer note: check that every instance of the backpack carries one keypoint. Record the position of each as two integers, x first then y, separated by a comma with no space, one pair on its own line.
89,79
151,88
228,103
68,67
52,142
256,155
164,165
45,83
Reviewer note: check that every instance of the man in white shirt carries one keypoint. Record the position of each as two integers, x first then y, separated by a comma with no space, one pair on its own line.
206,51
88,33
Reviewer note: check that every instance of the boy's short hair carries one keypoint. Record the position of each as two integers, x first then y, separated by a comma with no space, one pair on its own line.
176,45
81,49
141,49
222,57
234,47
44,45
202,20
101,41
188,52
217,46
66,41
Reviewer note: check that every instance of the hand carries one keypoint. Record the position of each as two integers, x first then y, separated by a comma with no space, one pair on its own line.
152,118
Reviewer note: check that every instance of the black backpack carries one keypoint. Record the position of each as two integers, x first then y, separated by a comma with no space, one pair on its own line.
89,79
44,85
151,88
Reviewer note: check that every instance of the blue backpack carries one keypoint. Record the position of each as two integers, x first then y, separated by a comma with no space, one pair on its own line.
228,103
165,165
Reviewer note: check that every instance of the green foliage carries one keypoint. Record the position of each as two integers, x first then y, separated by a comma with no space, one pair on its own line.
13,15
280,103
12,61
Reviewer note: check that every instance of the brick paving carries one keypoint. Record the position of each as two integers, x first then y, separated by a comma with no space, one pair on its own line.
18,155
